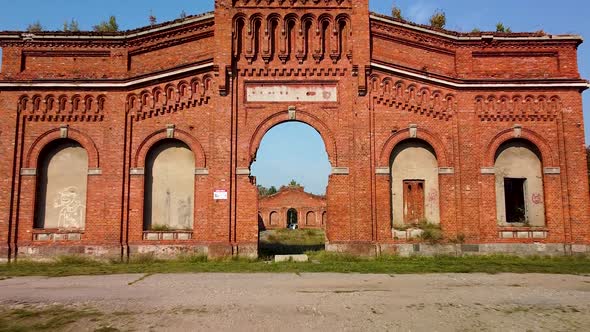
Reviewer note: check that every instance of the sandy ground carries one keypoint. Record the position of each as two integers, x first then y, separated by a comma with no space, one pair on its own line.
322,302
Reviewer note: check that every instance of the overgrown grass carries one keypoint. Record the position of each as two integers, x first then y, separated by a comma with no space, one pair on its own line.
287,241
43,319
309,237
319,262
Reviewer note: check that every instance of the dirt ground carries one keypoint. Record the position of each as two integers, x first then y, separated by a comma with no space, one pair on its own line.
305,302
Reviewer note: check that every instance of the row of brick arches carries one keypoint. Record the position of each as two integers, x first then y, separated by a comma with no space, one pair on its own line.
170,186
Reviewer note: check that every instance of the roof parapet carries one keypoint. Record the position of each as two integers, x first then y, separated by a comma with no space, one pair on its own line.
460,36
90,35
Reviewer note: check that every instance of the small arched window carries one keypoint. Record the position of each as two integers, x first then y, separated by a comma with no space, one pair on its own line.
274,218
310,219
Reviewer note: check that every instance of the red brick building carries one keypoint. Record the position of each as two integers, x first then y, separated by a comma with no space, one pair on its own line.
141,141
292,206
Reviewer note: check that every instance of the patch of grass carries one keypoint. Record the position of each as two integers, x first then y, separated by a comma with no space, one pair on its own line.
75,260
160,228
42,319
432,235
106,329
144,259
319,262
287,241
307,237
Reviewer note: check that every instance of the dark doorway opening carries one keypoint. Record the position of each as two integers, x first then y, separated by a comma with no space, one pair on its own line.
413,201
292,219
514,195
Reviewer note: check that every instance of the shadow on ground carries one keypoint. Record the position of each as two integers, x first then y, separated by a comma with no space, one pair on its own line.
290,242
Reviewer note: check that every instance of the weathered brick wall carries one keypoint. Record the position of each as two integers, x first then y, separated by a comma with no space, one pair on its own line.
293,198
372,83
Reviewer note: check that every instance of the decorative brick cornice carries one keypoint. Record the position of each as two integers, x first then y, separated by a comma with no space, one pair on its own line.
385,90
292,72
293,3
517,108
68,108
171,97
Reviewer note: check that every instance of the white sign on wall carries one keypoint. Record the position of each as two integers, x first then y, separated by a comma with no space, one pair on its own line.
292,93
220,195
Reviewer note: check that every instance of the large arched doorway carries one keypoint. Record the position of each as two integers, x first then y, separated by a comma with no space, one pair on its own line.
292,169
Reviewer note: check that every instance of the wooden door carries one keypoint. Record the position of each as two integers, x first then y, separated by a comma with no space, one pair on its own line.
413,201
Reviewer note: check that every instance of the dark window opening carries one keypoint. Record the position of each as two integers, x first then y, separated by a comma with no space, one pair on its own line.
514,194
292,221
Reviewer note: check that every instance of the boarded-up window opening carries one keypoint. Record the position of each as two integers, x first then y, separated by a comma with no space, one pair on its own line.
514,194
310,218
169,187
61,186
274,218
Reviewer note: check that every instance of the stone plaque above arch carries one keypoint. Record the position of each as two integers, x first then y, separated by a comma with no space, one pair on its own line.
292,92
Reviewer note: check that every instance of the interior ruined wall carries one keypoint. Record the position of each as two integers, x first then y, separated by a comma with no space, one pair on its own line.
62,188
516,160
414,160
170,187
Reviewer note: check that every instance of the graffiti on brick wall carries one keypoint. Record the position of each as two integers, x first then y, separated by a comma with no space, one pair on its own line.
71,209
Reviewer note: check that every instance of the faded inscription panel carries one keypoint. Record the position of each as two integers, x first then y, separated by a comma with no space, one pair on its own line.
269,93
65,202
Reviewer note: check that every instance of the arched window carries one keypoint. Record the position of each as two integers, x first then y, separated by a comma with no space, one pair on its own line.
310,218
292,219
274,218
324,218
61,186
414,184
169,187
519,184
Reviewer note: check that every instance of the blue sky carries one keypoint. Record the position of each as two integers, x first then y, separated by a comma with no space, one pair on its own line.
305,160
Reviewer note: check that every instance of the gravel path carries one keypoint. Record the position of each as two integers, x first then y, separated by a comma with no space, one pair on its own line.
324,302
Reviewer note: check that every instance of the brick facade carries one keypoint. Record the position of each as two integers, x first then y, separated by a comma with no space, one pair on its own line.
310,209
218,82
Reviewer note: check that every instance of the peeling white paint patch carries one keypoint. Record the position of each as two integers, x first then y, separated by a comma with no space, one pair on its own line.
267,93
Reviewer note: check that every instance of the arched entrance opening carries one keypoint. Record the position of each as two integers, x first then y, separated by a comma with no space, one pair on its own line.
292,219
292,169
